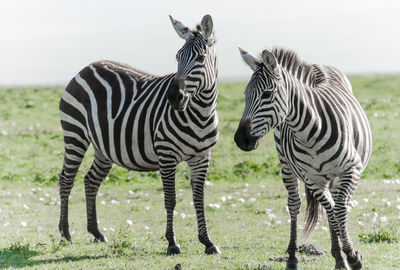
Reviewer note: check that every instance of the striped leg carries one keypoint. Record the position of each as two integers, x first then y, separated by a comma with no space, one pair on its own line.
75,149
167,170
93,179
324,196
294,203
336,250
198,172
347,187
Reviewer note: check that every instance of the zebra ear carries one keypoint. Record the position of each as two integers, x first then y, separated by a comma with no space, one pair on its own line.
182,30
270,61
207,26
249,59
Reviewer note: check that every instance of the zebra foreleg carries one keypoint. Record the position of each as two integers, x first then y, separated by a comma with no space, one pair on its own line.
347,187
167,170
99,170
294,203
198,172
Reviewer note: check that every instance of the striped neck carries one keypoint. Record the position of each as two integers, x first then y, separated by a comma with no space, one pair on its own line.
301,118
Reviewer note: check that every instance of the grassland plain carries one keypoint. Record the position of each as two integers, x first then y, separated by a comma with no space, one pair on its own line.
245,198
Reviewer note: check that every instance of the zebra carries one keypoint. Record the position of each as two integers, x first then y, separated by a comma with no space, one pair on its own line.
144,122
322,137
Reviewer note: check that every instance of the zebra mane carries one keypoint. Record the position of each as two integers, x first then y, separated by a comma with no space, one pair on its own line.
199,30
310,74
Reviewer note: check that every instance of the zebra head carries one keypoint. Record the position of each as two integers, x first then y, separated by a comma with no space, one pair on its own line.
266,100
197,69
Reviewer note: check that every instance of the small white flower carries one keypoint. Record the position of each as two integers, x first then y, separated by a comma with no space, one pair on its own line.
324,228
183,215
5,133
208,183
127,201
129,222
267,223
383,219
47,194
26,207
103,202
223,198
246,184
398,207
278,222
233,205
6,224
146,227
147,208
23,223
251,200
41,199
131,192
365,200
287,208
39,228
105,229
114,202
241,200
361,223
112,229
19,195
175,213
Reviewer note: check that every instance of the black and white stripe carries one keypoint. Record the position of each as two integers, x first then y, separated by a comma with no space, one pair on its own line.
144,122
322,137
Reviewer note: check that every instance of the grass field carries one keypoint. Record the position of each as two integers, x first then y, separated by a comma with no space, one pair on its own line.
245,198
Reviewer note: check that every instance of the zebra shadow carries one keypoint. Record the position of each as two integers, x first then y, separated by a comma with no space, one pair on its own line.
19,257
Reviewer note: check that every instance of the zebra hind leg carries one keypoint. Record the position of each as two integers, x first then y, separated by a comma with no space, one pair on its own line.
324,196
98,171
74,153
347,187
336,250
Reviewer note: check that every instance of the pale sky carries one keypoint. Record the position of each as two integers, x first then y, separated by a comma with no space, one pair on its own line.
49,41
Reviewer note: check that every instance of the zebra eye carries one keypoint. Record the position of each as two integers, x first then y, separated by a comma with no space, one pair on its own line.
200,58
267,94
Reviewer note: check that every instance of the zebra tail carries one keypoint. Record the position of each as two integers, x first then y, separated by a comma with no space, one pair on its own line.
313,211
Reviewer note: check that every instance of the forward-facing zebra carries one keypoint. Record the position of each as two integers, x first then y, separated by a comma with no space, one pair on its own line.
322,137
144,122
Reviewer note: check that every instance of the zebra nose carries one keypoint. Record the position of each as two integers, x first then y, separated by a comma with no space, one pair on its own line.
175,94
243,139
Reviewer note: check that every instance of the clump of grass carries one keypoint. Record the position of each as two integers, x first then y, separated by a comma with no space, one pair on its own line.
389,235
121,242
18,248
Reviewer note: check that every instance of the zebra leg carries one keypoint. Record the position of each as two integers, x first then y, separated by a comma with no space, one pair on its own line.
347,187
198,172
336,250
294,203
98,171
74,152
324,196
167,170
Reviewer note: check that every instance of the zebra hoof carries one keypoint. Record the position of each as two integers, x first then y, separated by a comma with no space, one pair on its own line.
173,250
355,262
341,265
213,250
291,266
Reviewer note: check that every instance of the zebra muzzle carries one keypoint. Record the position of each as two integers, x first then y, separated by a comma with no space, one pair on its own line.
177,98
243,139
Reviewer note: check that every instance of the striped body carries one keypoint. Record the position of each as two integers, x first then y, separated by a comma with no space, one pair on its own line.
144,122
126,116
322,137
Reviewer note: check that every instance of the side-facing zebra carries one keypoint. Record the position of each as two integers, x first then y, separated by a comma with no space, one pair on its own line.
144,122
322,137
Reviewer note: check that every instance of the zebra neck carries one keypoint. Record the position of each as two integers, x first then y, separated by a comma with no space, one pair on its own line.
204,103
302,117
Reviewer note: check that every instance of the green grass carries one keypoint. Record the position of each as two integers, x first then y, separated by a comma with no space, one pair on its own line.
31,153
